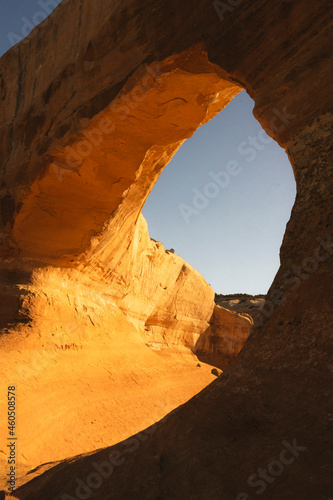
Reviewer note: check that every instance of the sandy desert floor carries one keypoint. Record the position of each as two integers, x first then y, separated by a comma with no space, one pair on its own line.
80,399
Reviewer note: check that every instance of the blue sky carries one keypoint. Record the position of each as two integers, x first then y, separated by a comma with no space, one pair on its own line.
228,227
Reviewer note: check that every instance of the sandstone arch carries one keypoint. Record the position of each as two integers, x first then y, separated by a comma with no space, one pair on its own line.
278,388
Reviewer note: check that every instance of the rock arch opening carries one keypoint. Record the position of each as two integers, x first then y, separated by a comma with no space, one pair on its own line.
224,200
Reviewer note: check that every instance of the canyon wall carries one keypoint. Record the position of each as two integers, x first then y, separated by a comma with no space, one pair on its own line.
97,344
90,120
74,343
223,341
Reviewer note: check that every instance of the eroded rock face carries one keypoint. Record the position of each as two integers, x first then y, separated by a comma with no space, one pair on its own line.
242,303
118,341
225,338
87,130
60,208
